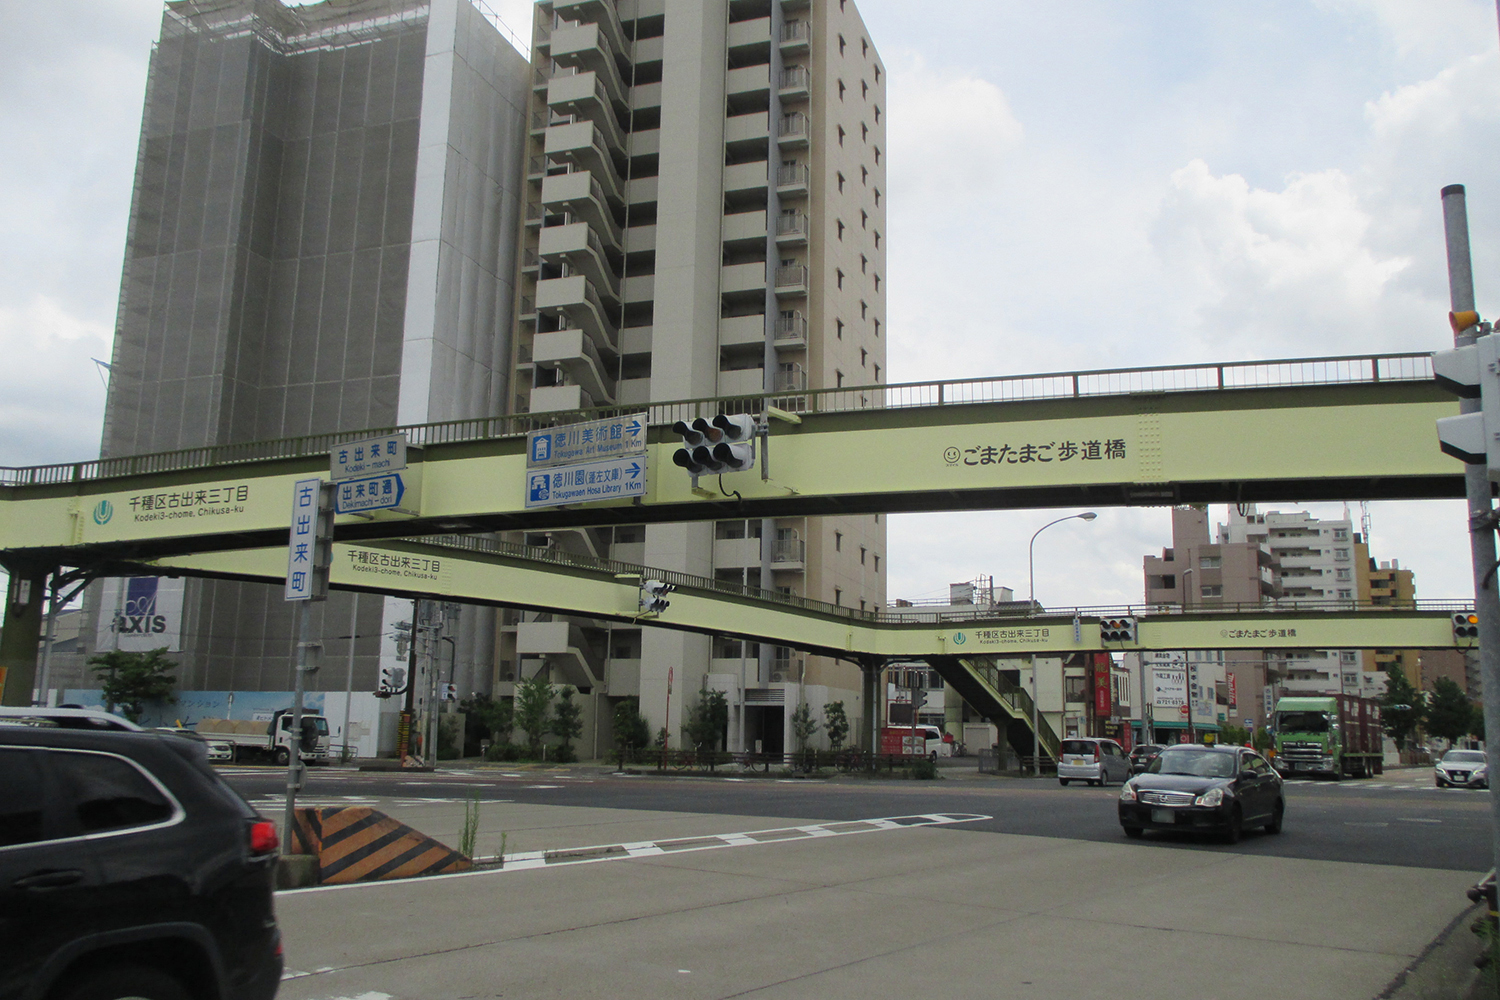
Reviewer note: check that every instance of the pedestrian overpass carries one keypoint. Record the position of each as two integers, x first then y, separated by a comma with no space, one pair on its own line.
1293,430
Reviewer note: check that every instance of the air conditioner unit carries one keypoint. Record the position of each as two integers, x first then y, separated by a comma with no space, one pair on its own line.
778,676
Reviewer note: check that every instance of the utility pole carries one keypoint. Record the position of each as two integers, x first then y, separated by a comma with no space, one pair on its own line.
1477,492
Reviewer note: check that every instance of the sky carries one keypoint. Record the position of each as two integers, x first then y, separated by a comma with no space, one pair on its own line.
1072,186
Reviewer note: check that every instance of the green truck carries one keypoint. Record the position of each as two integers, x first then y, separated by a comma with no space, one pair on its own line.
1329,735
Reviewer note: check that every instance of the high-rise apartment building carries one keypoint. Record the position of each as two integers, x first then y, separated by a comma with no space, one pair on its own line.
321,239
704,216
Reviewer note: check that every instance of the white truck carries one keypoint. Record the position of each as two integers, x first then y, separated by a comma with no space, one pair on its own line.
255,738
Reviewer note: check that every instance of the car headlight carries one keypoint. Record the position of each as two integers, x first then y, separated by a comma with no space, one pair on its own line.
1128,793
1212,797
1480,772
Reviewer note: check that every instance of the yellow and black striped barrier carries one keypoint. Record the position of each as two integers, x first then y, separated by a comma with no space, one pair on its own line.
359,844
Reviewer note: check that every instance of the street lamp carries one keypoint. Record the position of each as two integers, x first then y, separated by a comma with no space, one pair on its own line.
1036,729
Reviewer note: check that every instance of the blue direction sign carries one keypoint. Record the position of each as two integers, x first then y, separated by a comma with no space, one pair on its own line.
354,496
613,479
617,437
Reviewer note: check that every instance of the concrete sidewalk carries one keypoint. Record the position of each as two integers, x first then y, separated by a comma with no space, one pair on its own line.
924,911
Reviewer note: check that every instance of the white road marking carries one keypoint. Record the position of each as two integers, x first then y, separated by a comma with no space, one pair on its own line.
1415,819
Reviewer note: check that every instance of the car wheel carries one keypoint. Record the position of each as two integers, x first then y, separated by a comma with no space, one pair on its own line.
1062,781
1235,827
283,756
1134,832
126,982
1275,825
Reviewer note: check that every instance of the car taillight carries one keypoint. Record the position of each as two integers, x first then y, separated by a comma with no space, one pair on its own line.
1096,751
263,839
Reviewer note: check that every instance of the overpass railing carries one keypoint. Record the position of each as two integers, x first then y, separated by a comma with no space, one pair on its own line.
1344,370
950,616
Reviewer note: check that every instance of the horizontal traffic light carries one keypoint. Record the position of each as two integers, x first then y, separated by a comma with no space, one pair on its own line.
1465,626
725,443
1117,629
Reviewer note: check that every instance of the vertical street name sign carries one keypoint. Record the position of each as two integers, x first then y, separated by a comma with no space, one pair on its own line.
309,544
368,457
615,437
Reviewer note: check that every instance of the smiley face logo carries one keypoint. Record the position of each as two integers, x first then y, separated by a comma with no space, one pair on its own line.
950,455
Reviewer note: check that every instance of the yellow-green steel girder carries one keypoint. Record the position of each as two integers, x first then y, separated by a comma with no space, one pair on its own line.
1301,443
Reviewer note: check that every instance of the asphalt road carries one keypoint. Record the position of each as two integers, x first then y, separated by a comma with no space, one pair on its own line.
1395,819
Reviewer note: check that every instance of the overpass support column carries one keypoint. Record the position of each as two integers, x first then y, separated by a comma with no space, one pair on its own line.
870,668
25,596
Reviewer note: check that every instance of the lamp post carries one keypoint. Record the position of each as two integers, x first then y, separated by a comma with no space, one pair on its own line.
1036,729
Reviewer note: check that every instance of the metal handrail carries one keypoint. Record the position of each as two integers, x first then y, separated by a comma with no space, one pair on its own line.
1343,370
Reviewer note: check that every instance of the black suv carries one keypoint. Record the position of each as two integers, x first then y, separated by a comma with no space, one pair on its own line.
128,868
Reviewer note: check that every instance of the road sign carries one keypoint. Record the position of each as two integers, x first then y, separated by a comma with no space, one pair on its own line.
613,479
375,493
616,437
308,546
368,457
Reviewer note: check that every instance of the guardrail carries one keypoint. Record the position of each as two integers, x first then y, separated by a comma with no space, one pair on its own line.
1347,370
806,761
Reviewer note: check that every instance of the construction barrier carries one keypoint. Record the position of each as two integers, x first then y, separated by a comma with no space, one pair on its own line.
359,844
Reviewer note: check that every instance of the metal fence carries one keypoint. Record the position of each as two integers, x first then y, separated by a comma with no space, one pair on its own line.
1351,370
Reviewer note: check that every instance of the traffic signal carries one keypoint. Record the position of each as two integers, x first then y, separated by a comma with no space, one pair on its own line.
1465,627
654,596
736,450
697,452
392,682
1472,372
1117,629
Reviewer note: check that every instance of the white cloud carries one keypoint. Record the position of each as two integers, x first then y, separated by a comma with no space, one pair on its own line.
51,404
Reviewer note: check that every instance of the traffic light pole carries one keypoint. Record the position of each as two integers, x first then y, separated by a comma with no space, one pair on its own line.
1480,507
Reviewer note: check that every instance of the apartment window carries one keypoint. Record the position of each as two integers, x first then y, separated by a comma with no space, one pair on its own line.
877,239
1341,534
838,379
841,6
877,558
1346,595
1342,555
841,90
877,74
841,135
877,156
863,356
838,596
877,328
864,219
877,373
1341,574
864,132
864,175
841,227
863,308
1212,590
877,114
877,518
877,283
877,197
864,262
864,47
841,182
841,45
862,551
838,541
864,90
838,329
838,277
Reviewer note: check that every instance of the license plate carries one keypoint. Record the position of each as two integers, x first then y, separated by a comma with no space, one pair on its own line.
1076,762
1163,816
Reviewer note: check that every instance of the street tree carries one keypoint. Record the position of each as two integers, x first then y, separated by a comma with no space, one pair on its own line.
533,706
708,721
803,725
632,731
835,724
566,723
487,718
1402,707
129,680
1449,712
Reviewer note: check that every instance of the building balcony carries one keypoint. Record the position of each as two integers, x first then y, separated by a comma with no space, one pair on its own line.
563,645
574,353
583,145
788,670
736,553
791,280
577,304
790,378
791,229
791,331
747,181
748,83
793,130
744,230
795,84
739,331
742,382
793,180
599,12
578,246
735,279
582,95
559,398
788,553
586,46
581,196
796,36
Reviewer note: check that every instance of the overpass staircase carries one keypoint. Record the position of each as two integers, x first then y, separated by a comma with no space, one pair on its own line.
981,682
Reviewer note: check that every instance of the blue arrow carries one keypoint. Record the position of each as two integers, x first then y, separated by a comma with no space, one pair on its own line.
635,469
